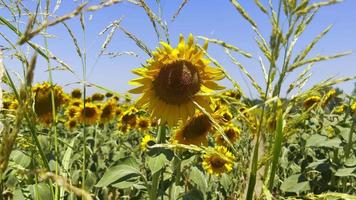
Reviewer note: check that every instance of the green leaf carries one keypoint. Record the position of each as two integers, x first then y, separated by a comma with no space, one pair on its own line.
115,173
346,172
225,181
40,191
199,179
176,191
125,184
292,184
322,141
193,195
20,158
156,163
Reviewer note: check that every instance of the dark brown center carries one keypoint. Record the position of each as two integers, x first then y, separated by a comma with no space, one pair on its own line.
198,126
177,82
217,162
89,112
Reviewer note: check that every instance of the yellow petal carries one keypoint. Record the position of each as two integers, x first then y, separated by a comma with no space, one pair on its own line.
138,90
212,85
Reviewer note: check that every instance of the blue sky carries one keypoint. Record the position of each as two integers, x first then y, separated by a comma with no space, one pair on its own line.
210,18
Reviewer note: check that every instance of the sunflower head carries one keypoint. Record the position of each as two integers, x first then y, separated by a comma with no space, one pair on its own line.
109,94
173,80
339,109
14,105
147,140
143,123
71,124
76,93
353,108
71,111
328,96
90,114
97,97
310,101
108,111
195,131
43,100
231,132
218,161
129,117
75,102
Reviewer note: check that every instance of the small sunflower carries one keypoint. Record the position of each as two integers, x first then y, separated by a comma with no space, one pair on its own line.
143,124
109,94
339,109
235,94
71,124
97,97
14,105
328,96
108,111
231,132
175,78
71,111
6,103
353,108
129,117
195,131
90,114
218,161
76,93
147,141
43,101
223,114
76,102
310,101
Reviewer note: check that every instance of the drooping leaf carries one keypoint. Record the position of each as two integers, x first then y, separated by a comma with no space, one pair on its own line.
115,173
292,184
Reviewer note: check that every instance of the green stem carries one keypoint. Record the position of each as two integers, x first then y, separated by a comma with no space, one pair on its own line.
277,146
161,138
349,144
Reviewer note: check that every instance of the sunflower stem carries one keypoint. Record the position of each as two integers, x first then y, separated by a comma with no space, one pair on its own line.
161,138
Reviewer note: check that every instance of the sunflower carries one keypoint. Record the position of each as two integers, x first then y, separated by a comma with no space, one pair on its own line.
90,114
76,93
143,124
223,114
339,109
71,124
129,117
353,108
218,161
310,101
14,105
76,102
108,111
231,132
235,94
43,101
147,141
71,111
195,131
328,96
175,78
97,97
108,94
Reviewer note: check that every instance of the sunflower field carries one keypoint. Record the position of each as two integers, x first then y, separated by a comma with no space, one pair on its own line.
185,128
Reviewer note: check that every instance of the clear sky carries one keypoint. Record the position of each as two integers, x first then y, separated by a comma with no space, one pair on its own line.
210,18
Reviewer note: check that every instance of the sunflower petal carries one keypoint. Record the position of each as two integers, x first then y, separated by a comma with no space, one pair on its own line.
212,85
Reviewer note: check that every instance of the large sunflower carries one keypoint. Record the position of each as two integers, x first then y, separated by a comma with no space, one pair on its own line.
175,78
